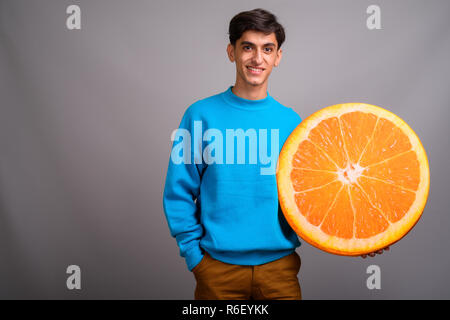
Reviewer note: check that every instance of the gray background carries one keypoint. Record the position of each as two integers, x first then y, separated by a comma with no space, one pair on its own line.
86,117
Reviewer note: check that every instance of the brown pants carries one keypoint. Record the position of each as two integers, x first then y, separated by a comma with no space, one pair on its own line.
217,280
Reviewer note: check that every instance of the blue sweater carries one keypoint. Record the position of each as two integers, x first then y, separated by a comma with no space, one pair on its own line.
220,194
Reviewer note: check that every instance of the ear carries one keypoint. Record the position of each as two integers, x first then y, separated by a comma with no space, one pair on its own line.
278,58
230,52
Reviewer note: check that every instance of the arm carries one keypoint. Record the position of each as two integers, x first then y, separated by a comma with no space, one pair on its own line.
182,188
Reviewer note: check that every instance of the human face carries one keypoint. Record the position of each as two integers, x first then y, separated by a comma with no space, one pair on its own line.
255,54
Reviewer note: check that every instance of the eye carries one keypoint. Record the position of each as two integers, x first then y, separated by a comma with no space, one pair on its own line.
247,47
268,49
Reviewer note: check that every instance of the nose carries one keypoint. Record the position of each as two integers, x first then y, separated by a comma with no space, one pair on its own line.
257,57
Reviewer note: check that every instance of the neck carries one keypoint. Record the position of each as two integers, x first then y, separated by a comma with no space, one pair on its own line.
248,91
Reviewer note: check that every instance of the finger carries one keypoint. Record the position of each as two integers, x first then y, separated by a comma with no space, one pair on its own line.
372,254
380,251
386,249
364,256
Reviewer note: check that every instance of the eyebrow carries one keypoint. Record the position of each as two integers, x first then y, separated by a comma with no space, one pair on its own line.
252,44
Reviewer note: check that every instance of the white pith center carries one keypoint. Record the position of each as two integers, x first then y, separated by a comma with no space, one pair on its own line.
351,173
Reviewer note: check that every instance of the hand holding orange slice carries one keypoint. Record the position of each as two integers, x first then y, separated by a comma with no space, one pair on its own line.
353,178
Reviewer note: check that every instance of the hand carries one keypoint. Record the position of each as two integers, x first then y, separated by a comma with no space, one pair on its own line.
372,254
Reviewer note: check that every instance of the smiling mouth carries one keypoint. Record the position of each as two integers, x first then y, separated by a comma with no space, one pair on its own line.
255,70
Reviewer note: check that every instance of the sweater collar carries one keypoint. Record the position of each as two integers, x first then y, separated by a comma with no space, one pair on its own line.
247,104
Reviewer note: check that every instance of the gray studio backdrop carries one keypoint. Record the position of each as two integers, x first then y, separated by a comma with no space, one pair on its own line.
86,117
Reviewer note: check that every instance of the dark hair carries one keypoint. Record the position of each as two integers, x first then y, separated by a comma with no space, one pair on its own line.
258,20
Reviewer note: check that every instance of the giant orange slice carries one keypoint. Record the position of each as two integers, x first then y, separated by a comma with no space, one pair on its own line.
352,178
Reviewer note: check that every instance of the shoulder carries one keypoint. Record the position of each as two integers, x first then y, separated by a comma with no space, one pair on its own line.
288,112
203,106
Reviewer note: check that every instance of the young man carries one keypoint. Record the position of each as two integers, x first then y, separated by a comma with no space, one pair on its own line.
220,196
221,200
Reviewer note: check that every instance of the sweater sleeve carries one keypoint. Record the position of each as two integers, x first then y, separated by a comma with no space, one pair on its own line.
181,200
